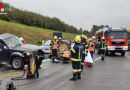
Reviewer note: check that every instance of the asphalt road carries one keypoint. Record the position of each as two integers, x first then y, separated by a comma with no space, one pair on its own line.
111,74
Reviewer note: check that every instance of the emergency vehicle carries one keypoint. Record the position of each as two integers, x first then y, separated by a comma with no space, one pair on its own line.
116,40
128,31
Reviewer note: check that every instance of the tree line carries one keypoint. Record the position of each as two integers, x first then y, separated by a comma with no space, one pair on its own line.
36,19
93,30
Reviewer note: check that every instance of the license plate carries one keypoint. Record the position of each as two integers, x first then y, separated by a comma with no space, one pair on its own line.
118,47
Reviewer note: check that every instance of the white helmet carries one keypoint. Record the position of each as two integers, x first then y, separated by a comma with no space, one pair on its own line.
103,38
21,38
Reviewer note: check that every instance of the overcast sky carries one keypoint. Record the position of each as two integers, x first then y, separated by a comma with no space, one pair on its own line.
81,13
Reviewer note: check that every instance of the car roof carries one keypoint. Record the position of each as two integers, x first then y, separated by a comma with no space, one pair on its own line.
5,36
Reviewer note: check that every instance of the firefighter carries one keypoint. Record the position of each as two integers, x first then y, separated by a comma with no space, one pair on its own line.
84,49
65,55
76,59
102,47
91,47
43,41
54,48
22,40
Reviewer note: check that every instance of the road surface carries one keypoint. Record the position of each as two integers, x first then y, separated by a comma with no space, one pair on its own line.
111,74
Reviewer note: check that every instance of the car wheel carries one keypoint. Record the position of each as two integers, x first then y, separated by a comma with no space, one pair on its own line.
17,63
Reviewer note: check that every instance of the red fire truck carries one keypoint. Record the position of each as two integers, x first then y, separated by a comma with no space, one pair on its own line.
116,40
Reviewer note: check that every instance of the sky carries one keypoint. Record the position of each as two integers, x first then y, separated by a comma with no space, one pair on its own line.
81,13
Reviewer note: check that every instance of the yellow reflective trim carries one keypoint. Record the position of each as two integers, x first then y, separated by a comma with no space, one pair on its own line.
82,63
78,70
73,59
86,49
75,70
83,52
73,50
103,48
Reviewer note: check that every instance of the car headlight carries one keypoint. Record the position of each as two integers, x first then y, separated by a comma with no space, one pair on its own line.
27,53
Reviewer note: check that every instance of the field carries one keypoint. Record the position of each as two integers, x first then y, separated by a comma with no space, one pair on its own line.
31,34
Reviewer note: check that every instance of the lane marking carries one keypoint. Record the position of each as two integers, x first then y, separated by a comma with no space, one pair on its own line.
97,58
5,75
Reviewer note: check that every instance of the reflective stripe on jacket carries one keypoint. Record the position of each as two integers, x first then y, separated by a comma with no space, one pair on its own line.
92,46
76,53
54,44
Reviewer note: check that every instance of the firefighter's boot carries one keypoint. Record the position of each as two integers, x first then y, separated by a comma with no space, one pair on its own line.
74,78
79,75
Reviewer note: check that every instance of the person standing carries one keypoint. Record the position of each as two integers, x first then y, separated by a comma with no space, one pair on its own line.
54,48
84,49
91,47
102,47
76,59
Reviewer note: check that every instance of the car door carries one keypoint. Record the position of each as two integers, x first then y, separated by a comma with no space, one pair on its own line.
3,53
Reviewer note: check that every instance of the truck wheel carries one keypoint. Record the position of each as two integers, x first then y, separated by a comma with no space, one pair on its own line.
122,53
17,63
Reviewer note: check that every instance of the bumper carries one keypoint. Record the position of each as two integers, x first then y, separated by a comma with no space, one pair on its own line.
117,48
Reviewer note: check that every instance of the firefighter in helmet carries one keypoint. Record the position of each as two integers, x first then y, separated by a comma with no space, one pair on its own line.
102,47
76,59
91,47
54,48
84,49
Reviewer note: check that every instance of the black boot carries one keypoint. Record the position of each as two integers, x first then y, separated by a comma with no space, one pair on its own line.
79,75
74,78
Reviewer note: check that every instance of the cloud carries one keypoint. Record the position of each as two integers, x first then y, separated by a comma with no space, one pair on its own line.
81,13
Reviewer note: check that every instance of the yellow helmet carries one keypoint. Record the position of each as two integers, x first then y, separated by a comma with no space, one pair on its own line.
55,37
89,39
83,36
78,40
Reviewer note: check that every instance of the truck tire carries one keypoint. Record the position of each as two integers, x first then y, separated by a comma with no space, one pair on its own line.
17,63
122,53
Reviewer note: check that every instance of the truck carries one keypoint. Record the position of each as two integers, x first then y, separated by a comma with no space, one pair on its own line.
59,35
12,51
128,31
116,40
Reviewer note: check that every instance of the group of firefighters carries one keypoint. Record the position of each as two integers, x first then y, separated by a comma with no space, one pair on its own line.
79,51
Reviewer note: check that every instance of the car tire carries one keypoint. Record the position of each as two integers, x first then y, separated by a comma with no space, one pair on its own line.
17,63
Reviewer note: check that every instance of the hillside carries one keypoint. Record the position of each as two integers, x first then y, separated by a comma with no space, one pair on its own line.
31,34
35,19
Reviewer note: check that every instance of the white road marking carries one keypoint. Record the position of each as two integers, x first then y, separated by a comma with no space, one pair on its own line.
97,59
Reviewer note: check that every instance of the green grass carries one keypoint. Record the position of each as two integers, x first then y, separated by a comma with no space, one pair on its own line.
30,33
